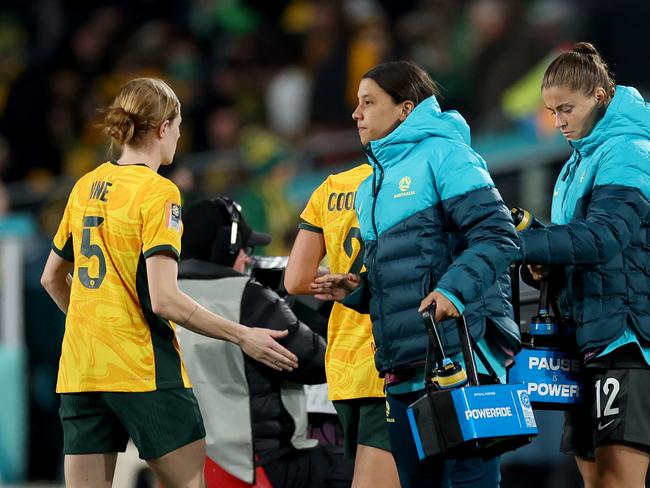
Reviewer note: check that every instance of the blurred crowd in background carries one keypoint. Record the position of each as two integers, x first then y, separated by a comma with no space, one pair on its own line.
267,88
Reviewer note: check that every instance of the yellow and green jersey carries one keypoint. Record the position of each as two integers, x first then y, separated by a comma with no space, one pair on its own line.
349,359
117,216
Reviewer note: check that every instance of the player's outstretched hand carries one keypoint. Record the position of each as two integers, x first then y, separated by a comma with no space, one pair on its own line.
334,286
262,345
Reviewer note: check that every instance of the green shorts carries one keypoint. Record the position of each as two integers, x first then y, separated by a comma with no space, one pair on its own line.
364,422
158,422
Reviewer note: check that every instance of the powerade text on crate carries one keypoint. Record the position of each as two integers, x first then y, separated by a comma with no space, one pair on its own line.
463,418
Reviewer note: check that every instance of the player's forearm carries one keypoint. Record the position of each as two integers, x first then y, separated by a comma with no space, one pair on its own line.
59,291
54,280
204,322
307,253
186,312
297,279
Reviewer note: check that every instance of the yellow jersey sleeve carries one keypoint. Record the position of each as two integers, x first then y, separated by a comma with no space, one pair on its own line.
349,359
312,215
62,242
162,226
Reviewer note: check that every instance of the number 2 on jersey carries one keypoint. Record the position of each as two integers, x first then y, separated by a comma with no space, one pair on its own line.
357,264
91,250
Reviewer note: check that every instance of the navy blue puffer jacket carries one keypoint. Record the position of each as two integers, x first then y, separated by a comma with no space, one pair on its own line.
431,218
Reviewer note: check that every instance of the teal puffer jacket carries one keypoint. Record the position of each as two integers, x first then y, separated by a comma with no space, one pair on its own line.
601,212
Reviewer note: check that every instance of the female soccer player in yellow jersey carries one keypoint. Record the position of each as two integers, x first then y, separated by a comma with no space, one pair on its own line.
330,226
120,372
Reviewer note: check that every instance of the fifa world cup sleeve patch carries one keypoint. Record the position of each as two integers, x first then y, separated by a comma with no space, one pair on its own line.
173,216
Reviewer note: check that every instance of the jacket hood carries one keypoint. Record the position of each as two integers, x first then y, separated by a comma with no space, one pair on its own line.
627,114
426,120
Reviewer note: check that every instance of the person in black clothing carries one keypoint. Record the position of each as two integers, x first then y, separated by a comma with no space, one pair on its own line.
254,415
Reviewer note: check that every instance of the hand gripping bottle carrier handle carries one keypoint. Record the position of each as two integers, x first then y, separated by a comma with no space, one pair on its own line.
458,417
549,363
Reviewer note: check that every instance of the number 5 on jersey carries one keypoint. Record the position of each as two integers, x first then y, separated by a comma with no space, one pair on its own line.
91,250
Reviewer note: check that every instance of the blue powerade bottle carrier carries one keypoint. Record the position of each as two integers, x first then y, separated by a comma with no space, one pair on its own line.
549,363
456,416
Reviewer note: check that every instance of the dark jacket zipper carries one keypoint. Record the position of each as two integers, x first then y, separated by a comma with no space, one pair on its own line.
572,167
376,187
